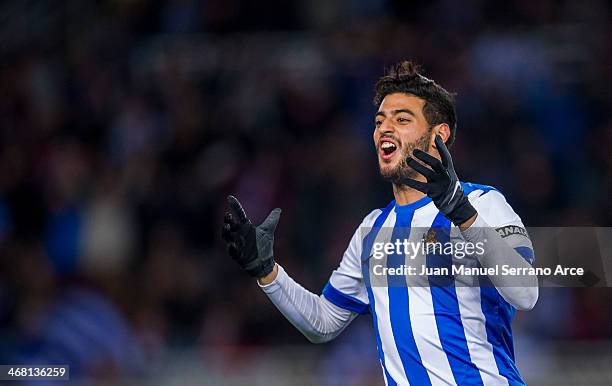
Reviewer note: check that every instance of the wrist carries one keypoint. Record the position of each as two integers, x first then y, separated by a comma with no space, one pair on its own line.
463,214
270,277
466,224
475,232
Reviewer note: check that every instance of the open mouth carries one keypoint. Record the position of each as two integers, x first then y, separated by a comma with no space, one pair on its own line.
387,149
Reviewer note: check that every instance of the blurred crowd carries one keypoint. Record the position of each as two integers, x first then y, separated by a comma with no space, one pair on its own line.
125,124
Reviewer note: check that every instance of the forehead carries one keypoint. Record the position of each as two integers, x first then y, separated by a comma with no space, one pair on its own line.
398,101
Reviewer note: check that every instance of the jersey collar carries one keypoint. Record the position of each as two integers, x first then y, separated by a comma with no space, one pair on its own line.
413,206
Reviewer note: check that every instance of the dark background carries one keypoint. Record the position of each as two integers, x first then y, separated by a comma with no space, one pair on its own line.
124,125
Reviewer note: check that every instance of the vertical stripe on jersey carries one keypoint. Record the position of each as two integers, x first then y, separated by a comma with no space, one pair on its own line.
481,350
380,293
498,314
422,312
498,318
447,312
365,253
399,309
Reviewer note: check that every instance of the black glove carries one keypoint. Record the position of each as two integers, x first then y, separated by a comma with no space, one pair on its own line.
249,246
442,184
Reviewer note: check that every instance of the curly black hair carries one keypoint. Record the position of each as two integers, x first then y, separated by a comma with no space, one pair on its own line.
405,77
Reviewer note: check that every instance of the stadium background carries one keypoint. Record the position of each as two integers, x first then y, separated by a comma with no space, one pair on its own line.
124,124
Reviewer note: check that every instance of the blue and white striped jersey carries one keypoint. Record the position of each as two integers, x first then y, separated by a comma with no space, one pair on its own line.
431,335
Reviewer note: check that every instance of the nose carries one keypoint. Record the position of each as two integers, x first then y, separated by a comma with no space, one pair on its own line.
386,127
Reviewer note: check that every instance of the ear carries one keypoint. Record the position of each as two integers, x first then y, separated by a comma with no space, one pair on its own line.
442,130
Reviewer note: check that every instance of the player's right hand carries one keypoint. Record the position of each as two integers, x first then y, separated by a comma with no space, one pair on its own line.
250,246
442,186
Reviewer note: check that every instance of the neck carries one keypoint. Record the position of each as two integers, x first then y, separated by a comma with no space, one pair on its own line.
405,195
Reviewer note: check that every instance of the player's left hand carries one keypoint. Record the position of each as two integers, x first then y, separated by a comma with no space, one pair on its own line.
442,184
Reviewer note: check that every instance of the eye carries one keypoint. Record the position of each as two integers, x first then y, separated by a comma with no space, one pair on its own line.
403,120
377,123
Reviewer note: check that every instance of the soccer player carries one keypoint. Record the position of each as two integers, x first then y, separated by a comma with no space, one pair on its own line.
447,334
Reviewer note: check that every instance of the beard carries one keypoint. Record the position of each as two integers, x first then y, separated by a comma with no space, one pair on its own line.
402,170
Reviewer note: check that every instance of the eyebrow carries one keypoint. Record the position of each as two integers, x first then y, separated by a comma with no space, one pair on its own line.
395,112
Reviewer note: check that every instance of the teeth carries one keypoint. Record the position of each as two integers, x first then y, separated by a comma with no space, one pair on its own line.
387,145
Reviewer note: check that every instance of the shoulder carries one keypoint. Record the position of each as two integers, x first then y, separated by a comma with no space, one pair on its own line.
371,217
491,203
377,215
374,219
483,193
477,190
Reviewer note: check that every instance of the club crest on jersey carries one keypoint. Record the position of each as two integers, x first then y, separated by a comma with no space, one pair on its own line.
431,237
